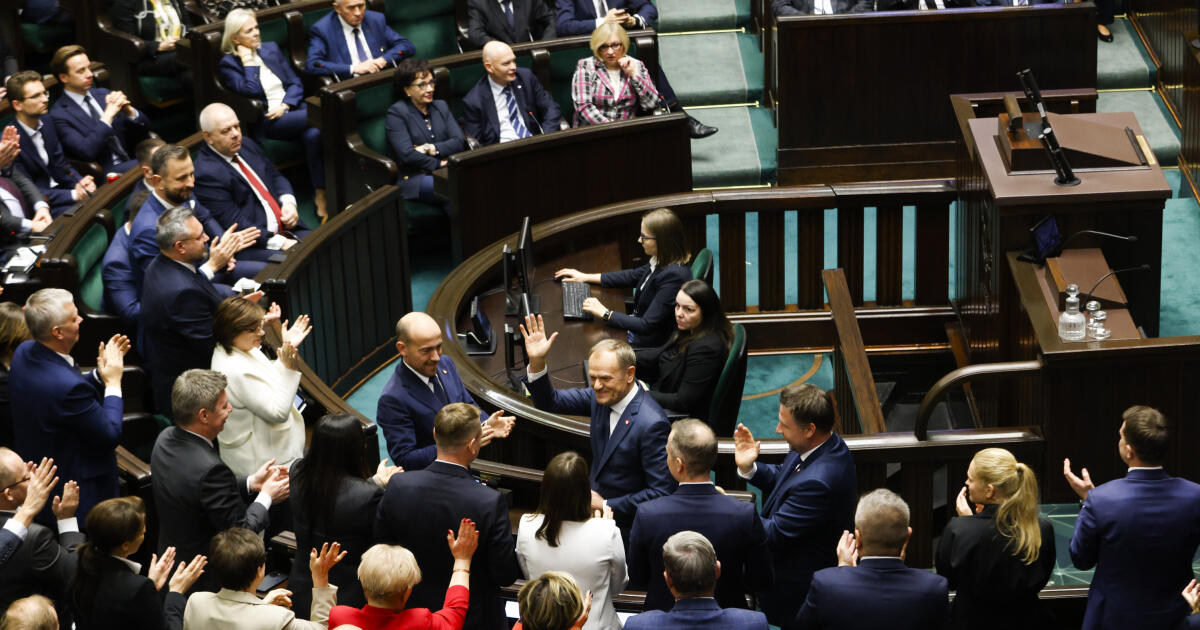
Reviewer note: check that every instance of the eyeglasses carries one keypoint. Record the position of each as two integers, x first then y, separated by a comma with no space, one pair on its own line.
258,330
643,237
16,483
423,84
616,46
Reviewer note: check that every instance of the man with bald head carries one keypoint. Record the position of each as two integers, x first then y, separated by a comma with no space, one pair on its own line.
508,103
508,21
425,380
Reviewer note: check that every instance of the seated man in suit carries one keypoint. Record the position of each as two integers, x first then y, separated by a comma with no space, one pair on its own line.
581,17
59,413
41,156
443,494
121,294
508,103
732,526
44,563
195,493
692,570
871,587
425,380
1139,532
821,7
808,500
238,184
352,41
24,206
508,21
629,430
89,131
145,151
179,300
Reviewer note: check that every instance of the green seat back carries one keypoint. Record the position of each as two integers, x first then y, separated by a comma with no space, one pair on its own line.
702,266
282,152
428,24
120,211
45,38
371,106
88,253
727,395
311,17
160,89
275,31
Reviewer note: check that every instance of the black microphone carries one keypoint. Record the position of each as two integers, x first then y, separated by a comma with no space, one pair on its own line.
1083,303
521,86
1127,239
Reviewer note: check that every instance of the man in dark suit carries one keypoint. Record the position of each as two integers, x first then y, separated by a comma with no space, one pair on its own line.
1139,532
179,301
732,526
508,103
195,493
628,429
352,41
871,587
59,413
41,156
43,563
581,17
821,7
425,380
508,21
94,124
442,495
692,571
238,184
808,500
23,208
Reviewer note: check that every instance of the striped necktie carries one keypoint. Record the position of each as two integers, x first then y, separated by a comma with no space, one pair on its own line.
514,115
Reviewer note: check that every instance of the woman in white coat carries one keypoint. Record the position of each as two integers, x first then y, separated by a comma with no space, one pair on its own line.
564,535
264,424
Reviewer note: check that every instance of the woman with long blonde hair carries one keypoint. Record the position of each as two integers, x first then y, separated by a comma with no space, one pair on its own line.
998,553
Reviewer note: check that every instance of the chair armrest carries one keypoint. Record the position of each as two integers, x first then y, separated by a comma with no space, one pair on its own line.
206,16
134,471
90,168
674,414
129,47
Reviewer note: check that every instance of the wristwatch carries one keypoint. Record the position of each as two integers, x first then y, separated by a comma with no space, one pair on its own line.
607,314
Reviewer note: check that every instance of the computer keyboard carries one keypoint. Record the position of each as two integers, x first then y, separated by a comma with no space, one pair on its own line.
573,295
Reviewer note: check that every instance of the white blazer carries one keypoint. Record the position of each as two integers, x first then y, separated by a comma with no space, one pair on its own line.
591,551
264,423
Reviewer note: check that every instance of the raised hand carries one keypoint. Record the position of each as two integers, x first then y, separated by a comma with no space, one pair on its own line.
42,480
384,473
501,425
278,484
1081,486
320,562
587,612
289,357
745,449
295,333
187,574
222,249
847,550
537,344
10,146
160,568
1191,593
64,506
627,66
463,546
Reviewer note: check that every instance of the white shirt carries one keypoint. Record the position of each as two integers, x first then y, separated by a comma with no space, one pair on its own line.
822,7
348,33
108,391
39,143
424,379
134,566
80,98
590,551
272,85
276,241
65,525
615,411
14,207
507,133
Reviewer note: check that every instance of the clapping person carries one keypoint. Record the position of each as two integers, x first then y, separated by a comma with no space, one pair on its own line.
264,423
422,133
388,574
108,590
565,534
611,85
655,283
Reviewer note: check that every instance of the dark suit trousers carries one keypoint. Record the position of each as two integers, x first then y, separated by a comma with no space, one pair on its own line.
293,126
666,91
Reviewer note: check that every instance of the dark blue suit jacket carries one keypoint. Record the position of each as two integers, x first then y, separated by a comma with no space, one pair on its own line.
406,129
804,513
578,17
878,593
142,246
177,324
653,318
406,411
9,543
120,283
245,80
328,54
538,110
63,414
41,172
229,197
630,466
1140,533
698,614
86,139
442,495
733,528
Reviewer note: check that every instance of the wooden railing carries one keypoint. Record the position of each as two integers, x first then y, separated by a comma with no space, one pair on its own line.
1166,27
853,386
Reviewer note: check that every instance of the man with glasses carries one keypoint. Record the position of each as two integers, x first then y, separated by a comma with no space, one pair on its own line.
42,156
353,41
421,132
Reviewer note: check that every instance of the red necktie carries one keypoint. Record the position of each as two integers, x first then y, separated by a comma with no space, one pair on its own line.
262,191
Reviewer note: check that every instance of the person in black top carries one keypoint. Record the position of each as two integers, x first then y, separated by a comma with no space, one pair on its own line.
998,553
683,373
13,332
655,283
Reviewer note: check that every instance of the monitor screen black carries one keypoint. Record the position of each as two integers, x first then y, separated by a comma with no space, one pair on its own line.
525,255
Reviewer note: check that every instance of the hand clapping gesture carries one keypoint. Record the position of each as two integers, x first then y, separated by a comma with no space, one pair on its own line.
745,449
1081,485
497,426
847,550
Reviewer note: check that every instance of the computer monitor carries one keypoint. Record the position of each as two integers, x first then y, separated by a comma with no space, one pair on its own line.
518,271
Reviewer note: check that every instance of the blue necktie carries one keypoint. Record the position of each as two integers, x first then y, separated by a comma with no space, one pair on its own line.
514,116
358,43
508,12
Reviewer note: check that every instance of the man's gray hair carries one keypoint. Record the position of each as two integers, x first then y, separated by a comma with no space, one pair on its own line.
45,309
882,520
195,390
691,563
172,227
694,442
208,115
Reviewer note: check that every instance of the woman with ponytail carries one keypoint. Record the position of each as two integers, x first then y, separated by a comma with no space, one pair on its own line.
998,553
108,590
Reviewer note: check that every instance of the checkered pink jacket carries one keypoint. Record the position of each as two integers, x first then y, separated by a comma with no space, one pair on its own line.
597,100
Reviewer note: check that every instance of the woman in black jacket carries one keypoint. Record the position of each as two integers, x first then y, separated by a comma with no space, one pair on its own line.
683,373
998,553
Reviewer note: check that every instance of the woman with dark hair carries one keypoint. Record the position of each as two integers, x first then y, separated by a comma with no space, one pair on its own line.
13,332
107,590
332,501
564,535
421,131
654,283
683,373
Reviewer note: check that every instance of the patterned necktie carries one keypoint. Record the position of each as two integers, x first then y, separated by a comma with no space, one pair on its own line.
514,116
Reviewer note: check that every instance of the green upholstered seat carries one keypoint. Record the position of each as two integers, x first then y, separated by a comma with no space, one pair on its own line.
428,24
562,68
45,38
311,17
275,31
283,153
160,90
727,395
702,266
424,217
88,253
371,106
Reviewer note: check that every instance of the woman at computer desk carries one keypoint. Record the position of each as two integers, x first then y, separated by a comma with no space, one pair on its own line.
683,373
654,284
421,131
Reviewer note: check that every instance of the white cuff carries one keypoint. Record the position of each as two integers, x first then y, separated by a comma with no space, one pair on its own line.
112,391
26,226
68,525
599,21
277,241
74,194
753,469
41,205
13,526
533,377
284,199
208,273
263,499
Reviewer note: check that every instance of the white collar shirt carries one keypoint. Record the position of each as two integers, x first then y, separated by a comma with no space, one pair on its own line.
617,410
507,133
348,33
39,142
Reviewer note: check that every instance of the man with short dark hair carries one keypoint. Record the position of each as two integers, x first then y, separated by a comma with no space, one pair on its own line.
122,292
808,500
1139,532
352,41
691,572
871,587
418,508
42,157
94,124
732,526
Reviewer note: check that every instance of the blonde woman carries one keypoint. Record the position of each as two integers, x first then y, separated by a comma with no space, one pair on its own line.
552,601
998,553
610,85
